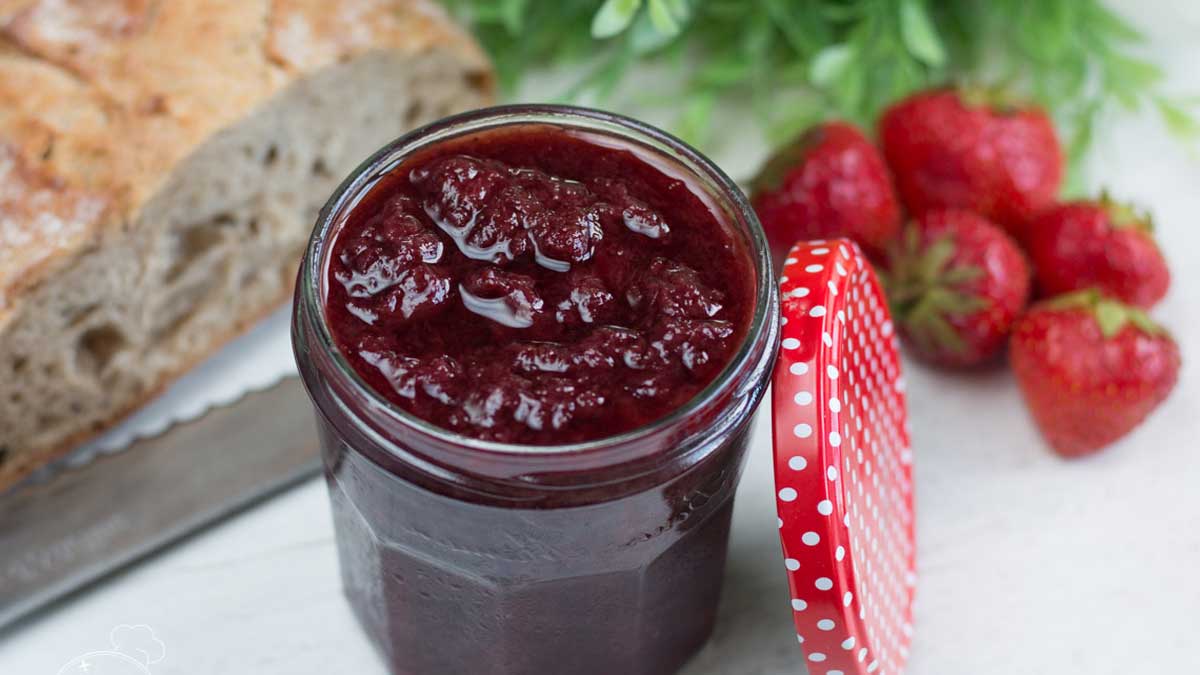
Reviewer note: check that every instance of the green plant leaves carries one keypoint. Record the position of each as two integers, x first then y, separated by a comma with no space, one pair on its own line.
613,17
512,14
1109,25
1177,119
830,64
919,34
667,16
796,61
695,123
653,28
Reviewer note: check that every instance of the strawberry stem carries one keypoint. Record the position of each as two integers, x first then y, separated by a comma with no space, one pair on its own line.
1125,215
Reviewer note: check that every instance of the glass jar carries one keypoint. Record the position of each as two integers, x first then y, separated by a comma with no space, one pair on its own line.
460,555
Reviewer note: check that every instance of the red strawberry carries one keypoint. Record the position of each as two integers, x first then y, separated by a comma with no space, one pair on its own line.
831,182
956,283
1099,244
1091,369
951,148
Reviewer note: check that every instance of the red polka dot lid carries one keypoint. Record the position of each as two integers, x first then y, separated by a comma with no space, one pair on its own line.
843,465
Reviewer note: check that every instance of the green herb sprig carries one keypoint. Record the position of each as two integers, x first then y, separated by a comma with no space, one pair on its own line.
797,61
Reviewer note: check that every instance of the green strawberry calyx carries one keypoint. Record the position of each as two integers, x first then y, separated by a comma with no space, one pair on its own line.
1111,315
997,98
924,290
1125,215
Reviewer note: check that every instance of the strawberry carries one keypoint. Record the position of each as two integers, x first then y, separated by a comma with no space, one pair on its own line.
957,148
1091,369
956,283
831,182
1100,244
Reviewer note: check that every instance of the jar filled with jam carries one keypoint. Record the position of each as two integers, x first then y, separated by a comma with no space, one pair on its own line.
535,337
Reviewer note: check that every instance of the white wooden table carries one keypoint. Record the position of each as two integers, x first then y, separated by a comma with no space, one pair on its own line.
1028,564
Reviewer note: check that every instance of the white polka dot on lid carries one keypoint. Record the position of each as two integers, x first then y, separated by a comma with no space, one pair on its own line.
855,417
826,625
790,343
792,564
816,657
787,495
814,268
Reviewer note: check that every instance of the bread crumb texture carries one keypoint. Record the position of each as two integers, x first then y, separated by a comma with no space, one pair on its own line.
161,165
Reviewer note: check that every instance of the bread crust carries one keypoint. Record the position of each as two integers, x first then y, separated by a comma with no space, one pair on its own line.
11,472
100,100
117,102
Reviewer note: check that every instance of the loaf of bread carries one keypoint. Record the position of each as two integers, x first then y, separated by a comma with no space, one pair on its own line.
162,163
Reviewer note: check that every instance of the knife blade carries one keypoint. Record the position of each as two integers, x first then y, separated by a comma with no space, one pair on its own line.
74,526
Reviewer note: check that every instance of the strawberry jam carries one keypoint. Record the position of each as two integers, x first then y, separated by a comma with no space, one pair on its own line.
535,338
535,286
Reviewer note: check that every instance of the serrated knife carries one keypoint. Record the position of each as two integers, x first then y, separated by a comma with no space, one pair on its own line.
71,526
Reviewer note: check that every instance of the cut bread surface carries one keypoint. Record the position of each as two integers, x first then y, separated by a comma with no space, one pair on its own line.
132,286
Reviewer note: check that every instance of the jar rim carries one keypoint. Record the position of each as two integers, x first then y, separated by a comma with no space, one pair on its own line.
364,177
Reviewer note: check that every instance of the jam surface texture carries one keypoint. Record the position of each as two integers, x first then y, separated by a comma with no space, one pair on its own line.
537,286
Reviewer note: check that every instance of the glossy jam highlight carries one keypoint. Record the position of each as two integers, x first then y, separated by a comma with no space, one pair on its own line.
537,285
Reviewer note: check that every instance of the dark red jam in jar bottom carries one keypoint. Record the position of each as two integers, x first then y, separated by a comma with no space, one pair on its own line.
535,338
